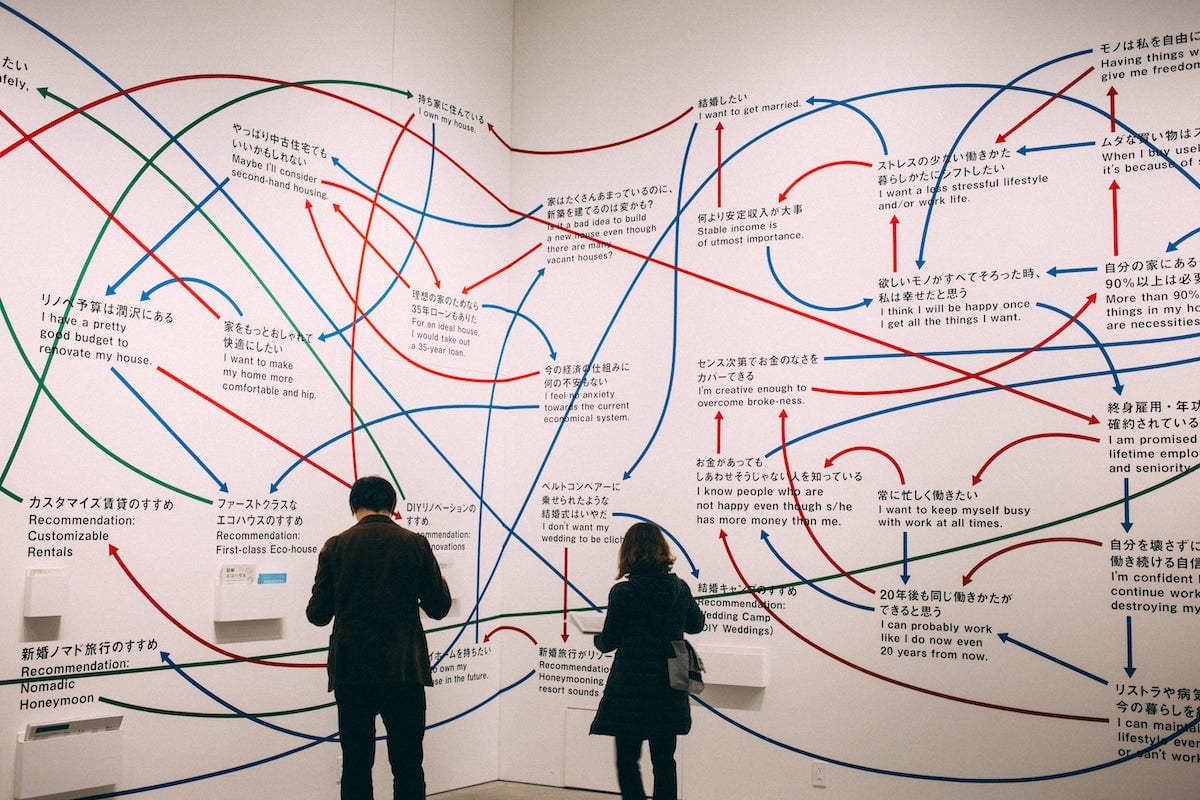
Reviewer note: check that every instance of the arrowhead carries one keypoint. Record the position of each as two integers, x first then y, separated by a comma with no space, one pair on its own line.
565,636
720,127
1171,248
1115,185
976,480
1003,637
1127,526
1112,91
44,90
828,463
1130,670
719,416
722,534
112,549
1000,139
164,656
1022,150
145,296
783,414
307,205
764,535
782,196
966,579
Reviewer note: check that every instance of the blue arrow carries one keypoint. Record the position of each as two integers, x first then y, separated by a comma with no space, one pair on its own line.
171,282
517,218
766,537
904,576
166,659
1127,525
1026,150
962,133
221,485
662,413
487,439
1004,637
692,564
412,245
1117,386
1054,272
1129,668
866,301
812,101
112,288
1173,246
535,326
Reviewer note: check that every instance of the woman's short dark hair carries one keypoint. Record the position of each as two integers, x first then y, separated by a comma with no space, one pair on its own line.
372,493
644,547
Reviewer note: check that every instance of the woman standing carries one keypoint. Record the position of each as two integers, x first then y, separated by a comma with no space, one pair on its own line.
646,612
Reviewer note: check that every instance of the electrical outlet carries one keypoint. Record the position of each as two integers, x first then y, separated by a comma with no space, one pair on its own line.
820,774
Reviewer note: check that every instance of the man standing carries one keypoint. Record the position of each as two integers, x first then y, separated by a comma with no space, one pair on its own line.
371,580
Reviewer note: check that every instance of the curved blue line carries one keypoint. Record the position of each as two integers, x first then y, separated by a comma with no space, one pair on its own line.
527,318
892,773
766,537
662,414
517,218
866,301
856,110
171,282
694,569
412,246
1099,345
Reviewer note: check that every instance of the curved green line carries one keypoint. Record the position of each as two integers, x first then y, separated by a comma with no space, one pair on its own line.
67,416
149,163
210,714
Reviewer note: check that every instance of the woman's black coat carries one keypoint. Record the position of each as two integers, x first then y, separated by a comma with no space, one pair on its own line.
645,613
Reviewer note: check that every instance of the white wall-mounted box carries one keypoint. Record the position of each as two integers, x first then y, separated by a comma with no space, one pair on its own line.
733,665
47,592
71,762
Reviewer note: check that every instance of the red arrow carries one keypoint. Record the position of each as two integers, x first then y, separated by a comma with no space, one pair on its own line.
829,461
1088,302
254,427
895,682
359,312
718,418
593,148
1002,137
506,267
1114,188
1112,109
565,635
720,159
978,476
337,209
362,260
895,246
104,210
783,195
967,578
787,468
412,236
488,636
113,551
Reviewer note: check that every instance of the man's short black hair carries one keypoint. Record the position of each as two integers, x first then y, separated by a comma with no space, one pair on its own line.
372,493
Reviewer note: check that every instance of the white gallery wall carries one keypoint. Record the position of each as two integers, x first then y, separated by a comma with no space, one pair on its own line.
887,316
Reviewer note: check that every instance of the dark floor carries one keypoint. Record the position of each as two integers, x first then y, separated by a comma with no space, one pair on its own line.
504,790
